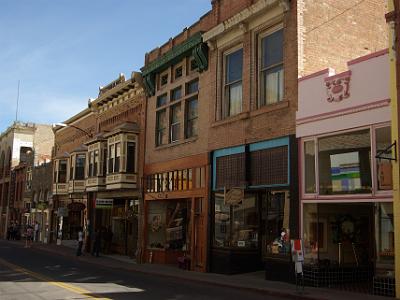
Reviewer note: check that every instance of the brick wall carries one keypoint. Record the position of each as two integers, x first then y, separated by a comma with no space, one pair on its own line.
254,124
68,138
336,31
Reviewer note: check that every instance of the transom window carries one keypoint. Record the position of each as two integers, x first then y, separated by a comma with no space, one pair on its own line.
233,83
272,75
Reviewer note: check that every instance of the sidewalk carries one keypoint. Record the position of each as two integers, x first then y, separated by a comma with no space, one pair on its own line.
250,281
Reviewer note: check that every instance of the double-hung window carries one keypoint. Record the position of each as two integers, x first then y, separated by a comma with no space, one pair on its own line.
62,171
233,83
175,126
80,166
91,162
117,157
111,159
161,127
191,117
271,77
130,157
114,151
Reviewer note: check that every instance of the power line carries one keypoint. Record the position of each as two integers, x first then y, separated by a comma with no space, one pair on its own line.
338,15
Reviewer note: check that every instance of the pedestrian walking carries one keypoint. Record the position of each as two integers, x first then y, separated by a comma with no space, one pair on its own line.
97,243
29,236
80,242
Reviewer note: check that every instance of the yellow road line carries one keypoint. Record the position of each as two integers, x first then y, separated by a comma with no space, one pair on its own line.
66,286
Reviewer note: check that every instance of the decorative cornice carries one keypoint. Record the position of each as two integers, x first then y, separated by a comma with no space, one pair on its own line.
192,46
172,55
240,19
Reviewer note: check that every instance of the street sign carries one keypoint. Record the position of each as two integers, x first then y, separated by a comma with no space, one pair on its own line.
104,203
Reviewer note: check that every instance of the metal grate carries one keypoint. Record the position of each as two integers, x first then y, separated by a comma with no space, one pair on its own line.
269,166
384,286
231,171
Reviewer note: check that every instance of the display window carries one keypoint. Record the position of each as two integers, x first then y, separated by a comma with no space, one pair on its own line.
236,222
340,234
344,163
384,235
277,234
168,225
383,140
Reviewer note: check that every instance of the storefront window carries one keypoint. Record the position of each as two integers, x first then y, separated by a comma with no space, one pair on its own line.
314,232
344,163
168,225
309,166
384,166
384,235
277,238
156,224
236,223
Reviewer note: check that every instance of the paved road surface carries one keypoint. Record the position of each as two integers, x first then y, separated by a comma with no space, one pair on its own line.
29,274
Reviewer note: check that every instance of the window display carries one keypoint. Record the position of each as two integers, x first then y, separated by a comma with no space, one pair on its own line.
385,233
168,224
236,224
345,163
277,239
384,166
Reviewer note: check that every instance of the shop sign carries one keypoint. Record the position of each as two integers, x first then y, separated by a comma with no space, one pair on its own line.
234,196
62,212
104,203
76,206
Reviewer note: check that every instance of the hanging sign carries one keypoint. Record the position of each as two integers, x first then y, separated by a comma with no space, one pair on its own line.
234,196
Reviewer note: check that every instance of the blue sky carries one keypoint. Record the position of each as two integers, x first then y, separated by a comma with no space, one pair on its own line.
63,50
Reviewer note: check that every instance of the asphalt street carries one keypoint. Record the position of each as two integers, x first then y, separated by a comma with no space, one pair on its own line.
28,273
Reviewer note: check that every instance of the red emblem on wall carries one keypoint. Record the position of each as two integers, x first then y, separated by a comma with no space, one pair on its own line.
338,87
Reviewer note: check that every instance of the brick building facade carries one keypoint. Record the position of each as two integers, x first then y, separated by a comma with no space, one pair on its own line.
97,170
247,56
17,143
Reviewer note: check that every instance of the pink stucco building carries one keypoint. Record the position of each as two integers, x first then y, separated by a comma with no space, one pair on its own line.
346,213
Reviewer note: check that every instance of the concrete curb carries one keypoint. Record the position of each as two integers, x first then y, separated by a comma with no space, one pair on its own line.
265,291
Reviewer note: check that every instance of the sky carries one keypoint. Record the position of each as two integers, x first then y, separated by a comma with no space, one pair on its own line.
61,51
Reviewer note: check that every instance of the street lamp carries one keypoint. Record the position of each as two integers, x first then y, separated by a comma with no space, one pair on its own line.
89,134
